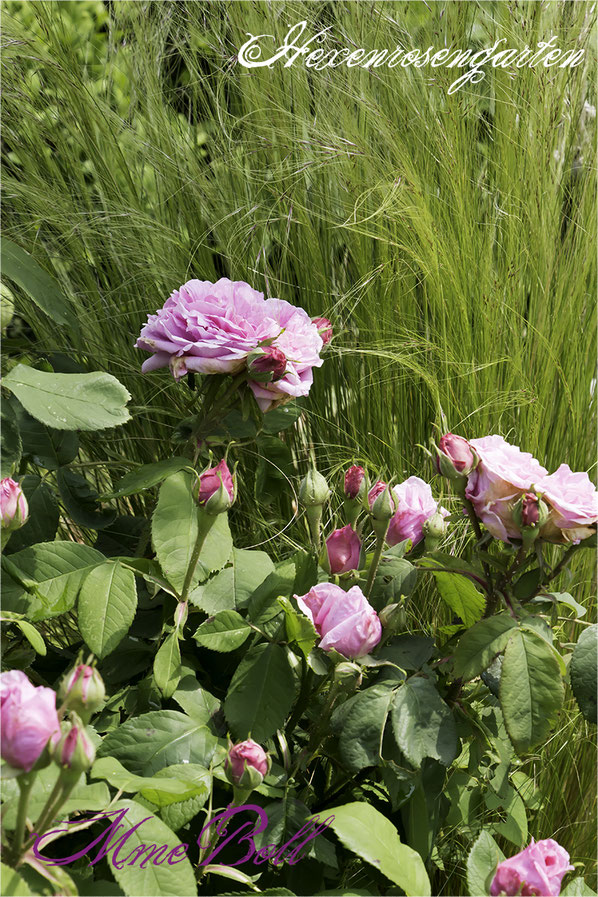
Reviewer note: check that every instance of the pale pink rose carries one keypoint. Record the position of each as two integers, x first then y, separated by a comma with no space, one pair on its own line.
504,474
343,547
28,718
344,620
573,504
246,753
376,490
536,871
213,327
415,504
13,505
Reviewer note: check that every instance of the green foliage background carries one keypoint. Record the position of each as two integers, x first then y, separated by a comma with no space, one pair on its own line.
451,239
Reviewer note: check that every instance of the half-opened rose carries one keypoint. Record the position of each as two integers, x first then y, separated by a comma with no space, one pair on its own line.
211,328
415,504
343,548
346,621
573,504
246,754
504,474
538,870
27,719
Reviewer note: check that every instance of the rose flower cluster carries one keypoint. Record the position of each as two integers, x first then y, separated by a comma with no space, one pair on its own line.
227,327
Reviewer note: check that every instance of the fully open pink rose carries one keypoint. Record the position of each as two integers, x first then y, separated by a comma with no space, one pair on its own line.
345,620
573,504
536,871
212,328
28,718
246,753
504,474
343,548
415,504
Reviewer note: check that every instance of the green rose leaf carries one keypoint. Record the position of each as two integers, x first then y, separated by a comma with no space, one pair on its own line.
363,726
23,269
50,448
578,888
423,724
232,587
70,401
461,595
224,632
11,883
175,526
167,665
261,693
57,570
531,688
484,857
479,645
11,446
583,672
162,789
147,743
107,605
146,476
81,501
152,878
366,832
197,703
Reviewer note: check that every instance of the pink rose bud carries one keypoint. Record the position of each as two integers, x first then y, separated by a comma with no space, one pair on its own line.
345,621
82,690
324,328
537,870
376,490
247,764
267,364
455,457
355,482
28,719
415,505
13,505
530,509
215,489
73,749
343,548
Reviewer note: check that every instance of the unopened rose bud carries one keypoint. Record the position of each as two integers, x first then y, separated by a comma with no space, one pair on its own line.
434,529
376,490
267,364
313,490
74,749
82,690
343,550
247,764
355,482
180,615
393,617
530,513
214,490
13,505
324,328
455,458
382,510
348,675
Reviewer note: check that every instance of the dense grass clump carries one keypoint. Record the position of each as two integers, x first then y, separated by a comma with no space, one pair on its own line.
450,238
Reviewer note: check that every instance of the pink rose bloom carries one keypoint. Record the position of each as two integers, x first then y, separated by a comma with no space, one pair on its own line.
212,479
538,870
504,474
212,328
28,718
343,548
376,490
573,503
13,505
458,452
246,753
344,620
415,504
